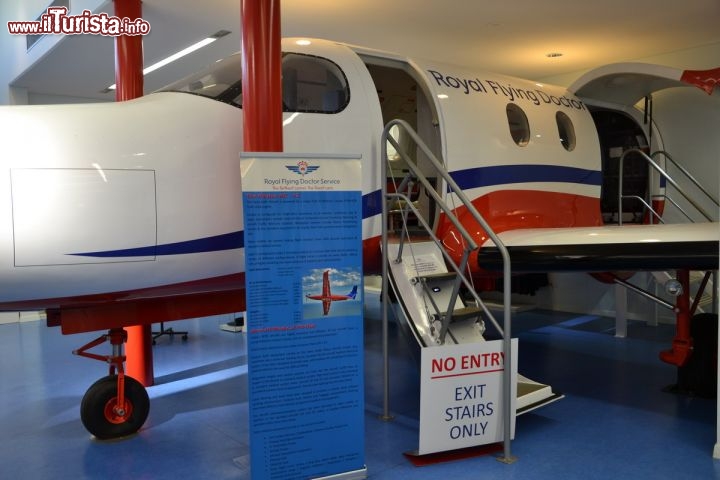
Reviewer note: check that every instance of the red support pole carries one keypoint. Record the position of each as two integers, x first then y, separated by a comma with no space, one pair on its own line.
261,76
682,344
129,83
128,54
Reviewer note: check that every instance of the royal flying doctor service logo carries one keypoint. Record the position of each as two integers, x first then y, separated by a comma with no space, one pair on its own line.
302,168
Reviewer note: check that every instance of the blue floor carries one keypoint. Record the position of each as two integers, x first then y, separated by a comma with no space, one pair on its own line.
615,422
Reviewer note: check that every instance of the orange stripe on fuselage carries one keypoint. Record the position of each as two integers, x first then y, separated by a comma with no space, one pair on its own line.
515,209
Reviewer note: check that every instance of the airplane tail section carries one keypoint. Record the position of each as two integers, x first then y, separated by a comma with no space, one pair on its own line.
353,293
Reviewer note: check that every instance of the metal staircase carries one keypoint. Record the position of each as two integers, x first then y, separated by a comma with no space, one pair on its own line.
443,308
427,282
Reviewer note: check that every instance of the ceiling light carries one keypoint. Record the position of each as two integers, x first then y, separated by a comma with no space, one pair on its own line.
303,42
180,54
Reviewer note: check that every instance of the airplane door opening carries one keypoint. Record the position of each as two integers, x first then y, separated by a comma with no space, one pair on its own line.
618,132
402,97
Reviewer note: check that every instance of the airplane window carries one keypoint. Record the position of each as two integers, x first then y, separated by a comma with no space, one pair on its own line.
518,123
392,154
221,81
566,131
313,84
310,84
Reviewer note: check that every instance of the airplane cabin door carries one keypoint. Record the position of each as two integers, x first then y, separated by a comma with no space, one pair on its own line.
651,113
618,133
401,96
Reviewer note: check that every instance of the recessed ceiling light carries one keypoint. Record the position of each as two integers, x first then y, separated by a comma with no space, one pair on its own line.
553,54
303,42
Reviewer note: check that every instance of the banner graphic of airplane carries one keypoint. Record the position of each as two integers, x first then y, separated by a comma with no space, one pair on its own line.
327,297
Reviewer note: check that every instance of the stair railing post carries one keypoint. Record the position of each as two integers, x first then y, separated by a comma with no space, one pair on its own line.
384,286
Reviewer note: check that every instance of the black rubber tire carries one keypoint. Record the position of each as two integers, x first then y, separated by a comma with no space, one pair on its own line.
92,408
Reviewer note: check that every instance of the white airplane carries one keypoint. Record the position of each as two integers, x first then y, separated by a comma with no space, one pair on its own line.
130,213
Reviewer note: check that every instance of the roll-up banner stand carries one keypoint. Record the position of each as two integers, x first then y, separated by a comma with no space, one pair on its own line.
303,260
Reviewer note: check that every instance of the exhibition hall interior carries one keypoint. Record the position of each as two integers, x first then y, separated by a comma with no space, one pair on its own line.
301,239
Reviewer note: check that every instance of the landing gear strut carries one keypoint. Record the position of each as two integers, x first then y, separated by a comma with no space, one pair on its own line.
117,405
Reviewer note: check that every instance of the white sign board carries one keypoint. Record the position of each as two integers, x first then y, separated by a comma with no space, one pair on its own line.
461,395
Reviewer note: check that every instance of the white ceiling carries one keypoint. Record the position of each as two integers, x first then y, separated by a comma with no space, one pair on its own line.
508,36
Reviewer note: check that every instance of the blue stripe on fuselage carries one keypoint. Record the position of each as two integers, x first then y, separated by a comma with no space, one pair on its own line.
505,174
372,206
227,241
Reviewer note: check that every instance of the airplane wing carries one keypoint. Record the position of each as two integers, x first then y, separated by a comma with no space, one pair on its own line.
605,248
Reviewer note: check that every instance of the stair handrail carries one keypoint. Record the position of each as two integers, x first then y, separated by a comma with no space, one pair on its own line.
672,201
447,257
454,188
687,174
470,244
667,177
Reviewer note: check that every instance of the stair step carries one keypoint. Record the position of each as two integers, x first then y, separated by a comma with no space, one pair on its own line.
464,313
497,306
434,277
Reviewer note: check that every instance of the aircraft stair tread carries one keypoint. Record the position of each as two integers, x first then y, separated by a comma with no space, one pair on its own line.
435,277
464,313
497,306
532,395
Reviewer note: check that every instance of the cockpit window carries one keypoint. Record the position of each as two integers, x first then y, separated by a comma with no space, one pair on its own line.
518,123
313,84
566,131
310,84
220,81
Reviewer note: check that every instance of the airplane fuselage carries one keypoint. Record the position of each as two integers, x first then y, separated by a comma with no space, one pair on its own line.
142,199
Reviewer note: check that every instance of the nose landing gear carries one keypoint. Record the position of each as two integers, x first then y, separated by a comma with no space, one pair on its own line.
117,405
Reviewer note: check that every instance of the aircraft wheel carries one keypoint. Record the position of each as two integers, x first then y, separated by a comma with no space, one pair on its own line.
101,415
